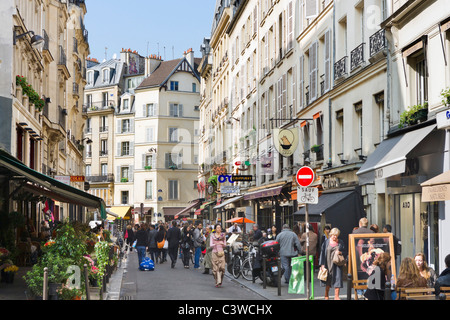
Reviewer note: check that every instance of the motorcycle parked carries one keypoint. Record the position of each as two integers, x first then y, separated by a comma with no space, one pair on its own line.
268,250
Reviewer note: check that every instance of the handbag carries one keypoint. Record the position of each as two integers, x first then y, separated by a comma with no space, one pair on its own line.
220,254
323,274
166,245
161,244
338,259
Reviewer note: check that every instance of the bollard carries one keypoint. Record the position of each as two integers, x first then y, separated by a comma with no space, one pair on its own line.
279,276
264,273
387,291
86,282
45,292
349,286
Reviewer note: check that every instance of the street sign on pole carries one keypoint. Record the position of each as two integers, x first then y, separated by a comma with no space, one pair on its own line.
305,176
308,195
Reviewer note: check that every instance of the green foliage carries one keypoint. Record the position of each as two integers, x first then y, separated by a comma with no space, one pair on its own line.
409,116
28,90
445,95
102,254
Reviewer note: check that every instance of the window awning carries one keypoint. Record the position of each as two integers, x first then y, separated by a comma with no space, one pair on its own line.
203,206
228,201
342,210
263,193
120,212
186,211
171,211
50,187
389,158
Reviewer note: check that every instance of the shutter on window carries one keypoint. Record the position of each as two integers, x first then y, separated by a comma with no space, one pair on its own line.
327,55
290,40
144,111
131,173
266,53
118,177
294,90
167,160
171,110
131,153
180,110
255,19
119,151
302,82
313,72
143,161
311,8
284,96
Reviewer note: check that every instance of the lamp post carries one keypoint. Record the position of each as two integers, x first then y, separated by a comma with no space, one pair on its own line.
36,40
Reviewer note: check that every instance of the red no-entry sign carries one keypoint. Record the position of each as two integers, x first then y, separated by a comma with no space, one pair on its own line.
305,176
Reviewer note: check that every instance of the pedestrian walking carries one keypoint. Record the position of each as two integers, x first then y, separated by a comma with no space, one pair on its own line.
313,244
187,243
161,236
141,242
363,227
198,242
257,233
207,260
289,248
173,237
152,245
331,246
218,243
129,236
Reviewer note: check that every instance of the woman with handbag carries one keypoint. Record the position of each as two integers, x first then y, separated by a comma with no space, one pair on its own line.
161,241
331,263
187,242
218,242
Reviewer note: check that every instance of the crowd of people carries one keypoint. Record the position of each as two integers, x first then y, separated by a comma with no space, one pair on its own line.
181,240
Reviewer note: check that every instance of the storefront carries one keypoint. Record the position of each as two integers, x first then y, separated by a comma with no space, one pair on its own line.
396,169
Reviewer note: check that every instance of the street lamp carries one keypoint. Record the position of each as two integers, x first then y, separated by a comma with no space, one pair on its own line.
36,40
88,141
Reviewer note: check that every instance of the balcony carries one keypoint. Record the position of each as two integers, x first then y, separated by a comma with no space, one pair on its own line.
377,45
76,90
357,57
100,106
62,63
100,178
340,68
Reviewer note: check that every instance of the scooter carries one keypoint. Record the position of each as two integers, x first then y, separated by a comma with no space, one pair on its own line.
269,251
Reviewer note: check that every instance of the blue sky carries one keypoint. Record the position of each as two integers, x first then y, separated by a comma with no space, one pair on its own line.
176,25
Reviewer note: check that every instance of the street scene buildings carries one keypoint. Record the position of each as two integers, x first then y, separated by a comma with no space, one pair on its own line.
357,90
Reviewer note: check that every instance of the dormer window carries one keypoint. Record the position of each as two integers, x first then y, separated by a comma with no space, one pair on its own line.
90,78
105,74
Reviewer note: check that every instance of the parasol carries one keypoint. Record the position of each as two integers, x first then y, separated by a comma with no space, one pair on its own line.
240,220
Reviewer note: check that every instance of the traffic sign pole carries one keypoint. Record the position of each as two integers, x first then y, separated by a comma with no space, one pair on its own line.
305,177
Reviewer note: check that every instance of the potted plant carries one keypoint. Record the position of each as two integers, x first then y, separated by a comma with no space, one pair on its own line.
316,148
8,273
414,114
445,95
124,180
148,167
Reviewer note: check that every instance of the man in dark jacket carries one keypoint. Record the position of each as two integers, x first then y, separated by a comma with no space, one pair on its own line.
444,277
363,227
174,237
289,247
152,246
141,242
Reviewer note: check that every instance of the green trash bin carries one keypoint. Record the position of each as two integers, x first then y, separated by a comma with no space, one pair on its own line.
297,280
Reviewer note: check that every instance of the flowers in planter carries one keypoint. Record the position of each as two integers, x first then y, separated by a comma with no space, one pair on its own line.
49,243
12,269
30,92
414,114
4,253
315,148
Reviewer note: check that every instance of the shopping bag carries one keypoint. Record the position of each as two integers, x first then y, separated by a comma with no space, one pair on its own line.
147,265
297,281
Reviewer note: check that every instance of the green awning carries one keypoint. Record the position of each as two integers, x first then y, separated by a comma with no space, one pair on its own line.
51,187
203,206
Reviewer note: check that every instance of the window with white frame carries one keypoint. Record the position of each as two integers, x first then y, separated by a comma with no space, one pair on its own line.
126,125
175,110
150,110
173,134
148,190
125,148
104,169
173,189
90,78
174,85
105,74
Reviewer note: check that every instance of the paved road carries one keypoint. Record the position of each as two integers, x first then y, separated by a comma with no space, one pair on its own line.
165,283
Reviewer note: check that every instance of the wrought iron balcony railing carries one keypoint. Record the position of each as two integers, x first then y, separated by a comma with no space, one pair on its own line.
377,42
340,68
357,57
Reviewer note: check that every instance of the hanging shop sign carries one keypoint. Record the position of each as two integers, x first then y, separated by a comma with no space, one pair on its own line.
241,178
230,189
286,141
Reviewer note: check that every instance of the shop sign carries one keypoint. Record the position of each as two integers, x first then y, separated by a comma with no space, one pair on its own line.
286,141
76,178
436,193
63,179
443,119
230,189
241,178
330,182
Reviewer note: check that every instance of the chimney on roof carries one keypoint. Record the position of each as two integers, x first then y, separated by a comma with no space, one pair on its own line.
190,57
152,62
